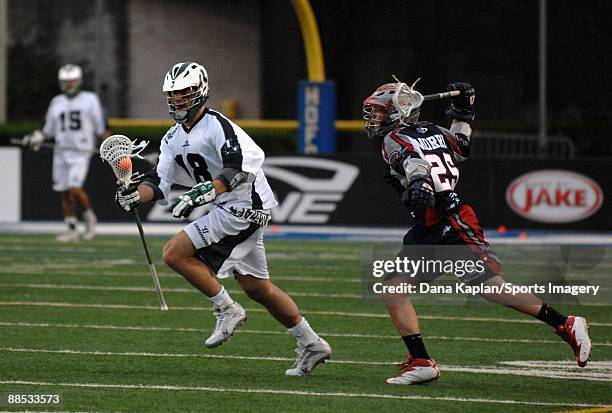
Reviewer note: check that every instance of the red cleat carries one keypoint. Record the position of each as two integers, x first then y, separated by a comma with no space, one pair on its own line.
416,371
575,332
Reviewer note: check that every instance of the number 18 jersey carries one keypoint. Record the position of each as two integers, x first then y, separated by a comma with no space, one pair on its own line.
190,156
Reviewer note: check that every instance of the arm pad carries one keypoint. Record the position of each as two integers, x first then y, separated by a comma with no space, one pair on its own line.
232,177
417,168
152,180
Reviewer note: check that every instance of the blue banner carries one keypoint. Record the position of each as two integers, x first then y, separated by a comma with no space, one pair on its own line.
317,117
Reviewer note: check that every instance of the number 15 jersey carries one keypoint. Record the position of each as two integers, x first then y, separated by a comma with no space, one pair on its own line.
440,147
190,156
75,122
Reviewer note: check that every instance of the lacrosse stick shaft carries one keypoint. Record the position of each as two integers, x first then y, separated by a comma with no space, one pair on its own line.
442,95
49,145
152,270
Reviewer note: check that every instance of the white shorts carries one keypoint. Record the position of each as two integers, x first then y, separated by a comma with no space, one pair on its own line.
229,244
69,170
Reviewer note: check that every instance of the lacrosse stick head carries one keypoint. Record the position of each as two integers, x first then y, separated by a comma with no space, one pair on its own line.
390,105
118,151
407,101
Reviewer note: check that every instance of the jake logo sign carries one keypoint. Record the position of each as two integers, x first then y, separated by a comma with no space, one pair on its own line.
554,196
314,196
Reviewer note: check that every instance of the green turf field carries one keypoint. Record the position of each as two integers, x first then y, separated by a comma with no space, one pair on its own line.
83,321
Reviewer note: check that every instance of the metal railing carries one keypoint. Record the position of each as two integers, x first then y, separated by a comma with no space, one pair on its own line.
485,144
524,146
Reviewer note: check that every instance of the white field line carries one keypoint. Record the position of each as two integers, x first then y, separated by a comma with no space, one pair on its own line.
80,273
183,290
173,290
299,278
557,364
49,411
272,332
552,374
53,411
292,393
261,310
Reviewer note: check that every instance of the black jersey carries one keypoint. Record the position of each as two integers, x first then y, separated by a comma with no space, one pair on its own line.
440,147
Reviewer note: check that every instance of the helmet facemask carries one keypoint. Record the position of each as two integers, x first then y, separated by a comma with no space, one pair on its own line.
185,88
183,104
377,119
390,105
70,78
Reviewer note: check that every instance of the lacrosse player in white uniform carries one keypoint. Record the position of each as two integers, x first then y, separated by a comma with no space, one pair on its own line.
75,119
223,165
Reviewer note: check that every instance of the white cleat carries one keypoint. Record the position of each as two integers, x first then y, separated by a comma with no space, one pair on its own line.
309,357
69,237
90,220
575,332
416,371
228,320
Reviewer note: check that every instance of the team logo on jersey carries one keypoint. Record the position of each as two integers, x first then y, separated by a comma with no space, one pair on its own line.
421,130
320,185
170,135
393,156
554,196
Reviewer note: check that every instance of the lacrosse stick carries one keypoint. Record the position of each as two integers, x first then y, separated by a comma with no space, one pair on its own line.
441,95
49,145
118,151
407,99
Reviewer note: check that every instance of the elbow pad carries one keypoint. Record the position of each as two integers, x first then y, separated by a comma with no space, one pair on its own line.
232,178
417,168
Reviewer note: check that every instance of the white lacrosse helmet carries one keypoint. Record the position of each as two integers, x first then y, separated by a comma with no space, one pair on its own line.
67,76
192,80
391,104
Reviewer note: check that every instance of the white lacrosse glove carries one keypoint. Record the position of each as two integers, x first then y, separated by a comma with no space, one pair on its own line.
34,140
127,198
201,194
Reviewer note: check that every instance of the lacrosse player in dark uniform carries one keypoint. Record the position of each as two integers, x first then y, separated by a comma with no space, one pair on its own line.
421,161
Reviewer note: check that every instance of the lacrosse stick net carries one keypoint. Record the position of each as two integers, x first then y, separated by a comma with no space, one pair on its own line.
406,99
118,151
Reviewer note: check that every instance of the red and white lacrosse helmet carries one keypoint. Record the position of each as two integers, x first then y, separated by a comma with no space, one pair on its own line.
390,105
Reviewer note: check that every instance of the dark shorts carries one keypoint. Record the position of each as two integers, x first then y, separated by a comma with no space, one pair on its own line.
460,229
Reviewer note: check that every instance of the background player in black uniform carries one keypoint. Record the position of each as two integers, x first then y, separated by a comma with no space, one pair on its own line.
421,164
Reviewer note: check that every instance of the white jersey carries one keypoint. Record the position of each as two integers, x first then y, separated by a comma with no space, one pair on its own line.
75,122
188,157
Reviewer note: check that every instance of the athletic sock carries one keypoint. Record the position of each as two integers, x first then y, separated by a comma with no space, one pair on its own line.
89,214
222,299
548,315
71,222
415,345
303,333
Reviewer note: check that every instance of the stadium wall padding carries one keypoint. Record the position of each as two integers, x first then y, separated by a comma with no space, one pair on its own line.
340,190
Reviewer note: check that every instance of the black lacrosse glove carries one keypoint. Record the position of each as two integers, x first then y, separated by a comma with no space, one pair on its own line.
127,198
419,195
462,106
